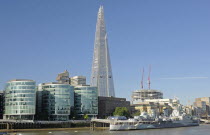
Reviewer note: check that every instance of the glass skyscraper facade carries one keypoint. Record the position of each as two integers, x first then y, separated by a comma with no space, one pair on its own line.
20,99
101,68
56,101
86,100
1,104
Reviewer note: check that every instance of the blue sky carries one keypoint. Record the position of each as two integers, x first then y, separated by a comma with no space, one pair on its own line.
39,39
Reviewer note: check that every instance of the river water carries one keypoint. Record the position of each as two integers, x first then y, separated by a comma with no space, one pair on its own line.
198,130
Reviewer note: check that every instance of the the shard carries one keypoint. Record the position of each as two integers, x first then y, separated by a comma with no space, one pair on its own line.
101,67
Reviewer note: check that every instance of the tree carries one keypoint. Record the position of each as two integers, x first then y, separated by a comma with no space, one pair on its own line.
86,116
121,111
137,113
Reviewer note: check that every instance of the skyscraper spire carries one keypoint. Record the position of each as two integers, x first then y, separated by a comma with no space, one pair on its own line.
101,68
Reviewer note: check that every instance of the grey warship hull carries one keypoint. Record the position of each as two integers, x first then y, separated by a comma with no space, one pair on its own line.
141,126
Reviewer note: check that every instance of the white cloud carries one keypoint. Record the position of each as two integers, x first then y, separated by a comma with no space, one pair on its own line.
179,78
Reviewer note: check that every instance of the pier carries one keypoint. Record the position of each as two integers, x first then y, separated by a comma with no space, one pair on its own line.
99,123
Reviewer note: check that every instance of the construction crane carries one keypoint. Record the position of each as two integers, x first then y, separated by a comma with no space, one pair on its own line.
149,82
142,79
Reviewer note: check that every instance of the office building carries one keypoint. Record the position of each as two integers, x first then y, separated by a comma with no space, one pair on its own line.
63,77
86,101
107,105
20,99
202,106
191,110
56,101
156,107
172,102
101,76
78,80
1,104
141,95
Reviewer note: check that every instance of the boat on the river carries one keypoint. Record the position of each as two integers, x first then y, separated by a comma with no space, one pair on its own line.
145,122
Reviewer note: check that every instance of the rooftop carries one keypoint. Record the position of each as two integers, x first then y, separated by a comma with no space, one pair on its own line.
58,83
147,90
78,77
16,80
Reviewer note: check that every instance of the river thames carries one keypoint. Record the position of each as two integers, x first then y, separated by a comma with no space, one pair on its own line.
198,130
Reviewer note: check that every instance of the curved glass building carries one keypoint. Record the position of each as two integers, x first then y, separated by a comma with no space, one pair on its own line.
86,100
20,99
56,101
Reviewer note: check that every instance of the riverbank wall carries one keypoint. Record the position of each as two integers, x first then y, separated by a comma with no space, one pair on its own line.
14,125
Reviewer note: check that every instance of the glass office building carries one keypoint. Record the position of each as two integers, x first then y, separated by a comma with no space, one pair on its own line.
101,75
20,99
56,101
1,104
86,100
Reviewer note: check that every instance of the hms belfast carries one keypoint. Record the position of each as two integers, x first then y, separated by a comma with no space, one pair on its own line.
101,68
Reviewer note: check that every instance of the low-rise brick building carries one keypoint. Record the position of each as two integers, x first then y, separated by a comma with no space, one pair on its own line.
107,105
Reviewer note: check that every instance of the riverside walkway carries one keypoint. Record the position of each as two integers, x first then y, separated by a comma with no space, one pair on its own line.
30,124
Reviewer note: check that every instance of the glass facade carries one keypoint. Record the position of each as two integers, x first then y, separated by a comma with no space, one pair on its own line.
86,100
101,67
20,99
56,101
1,104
